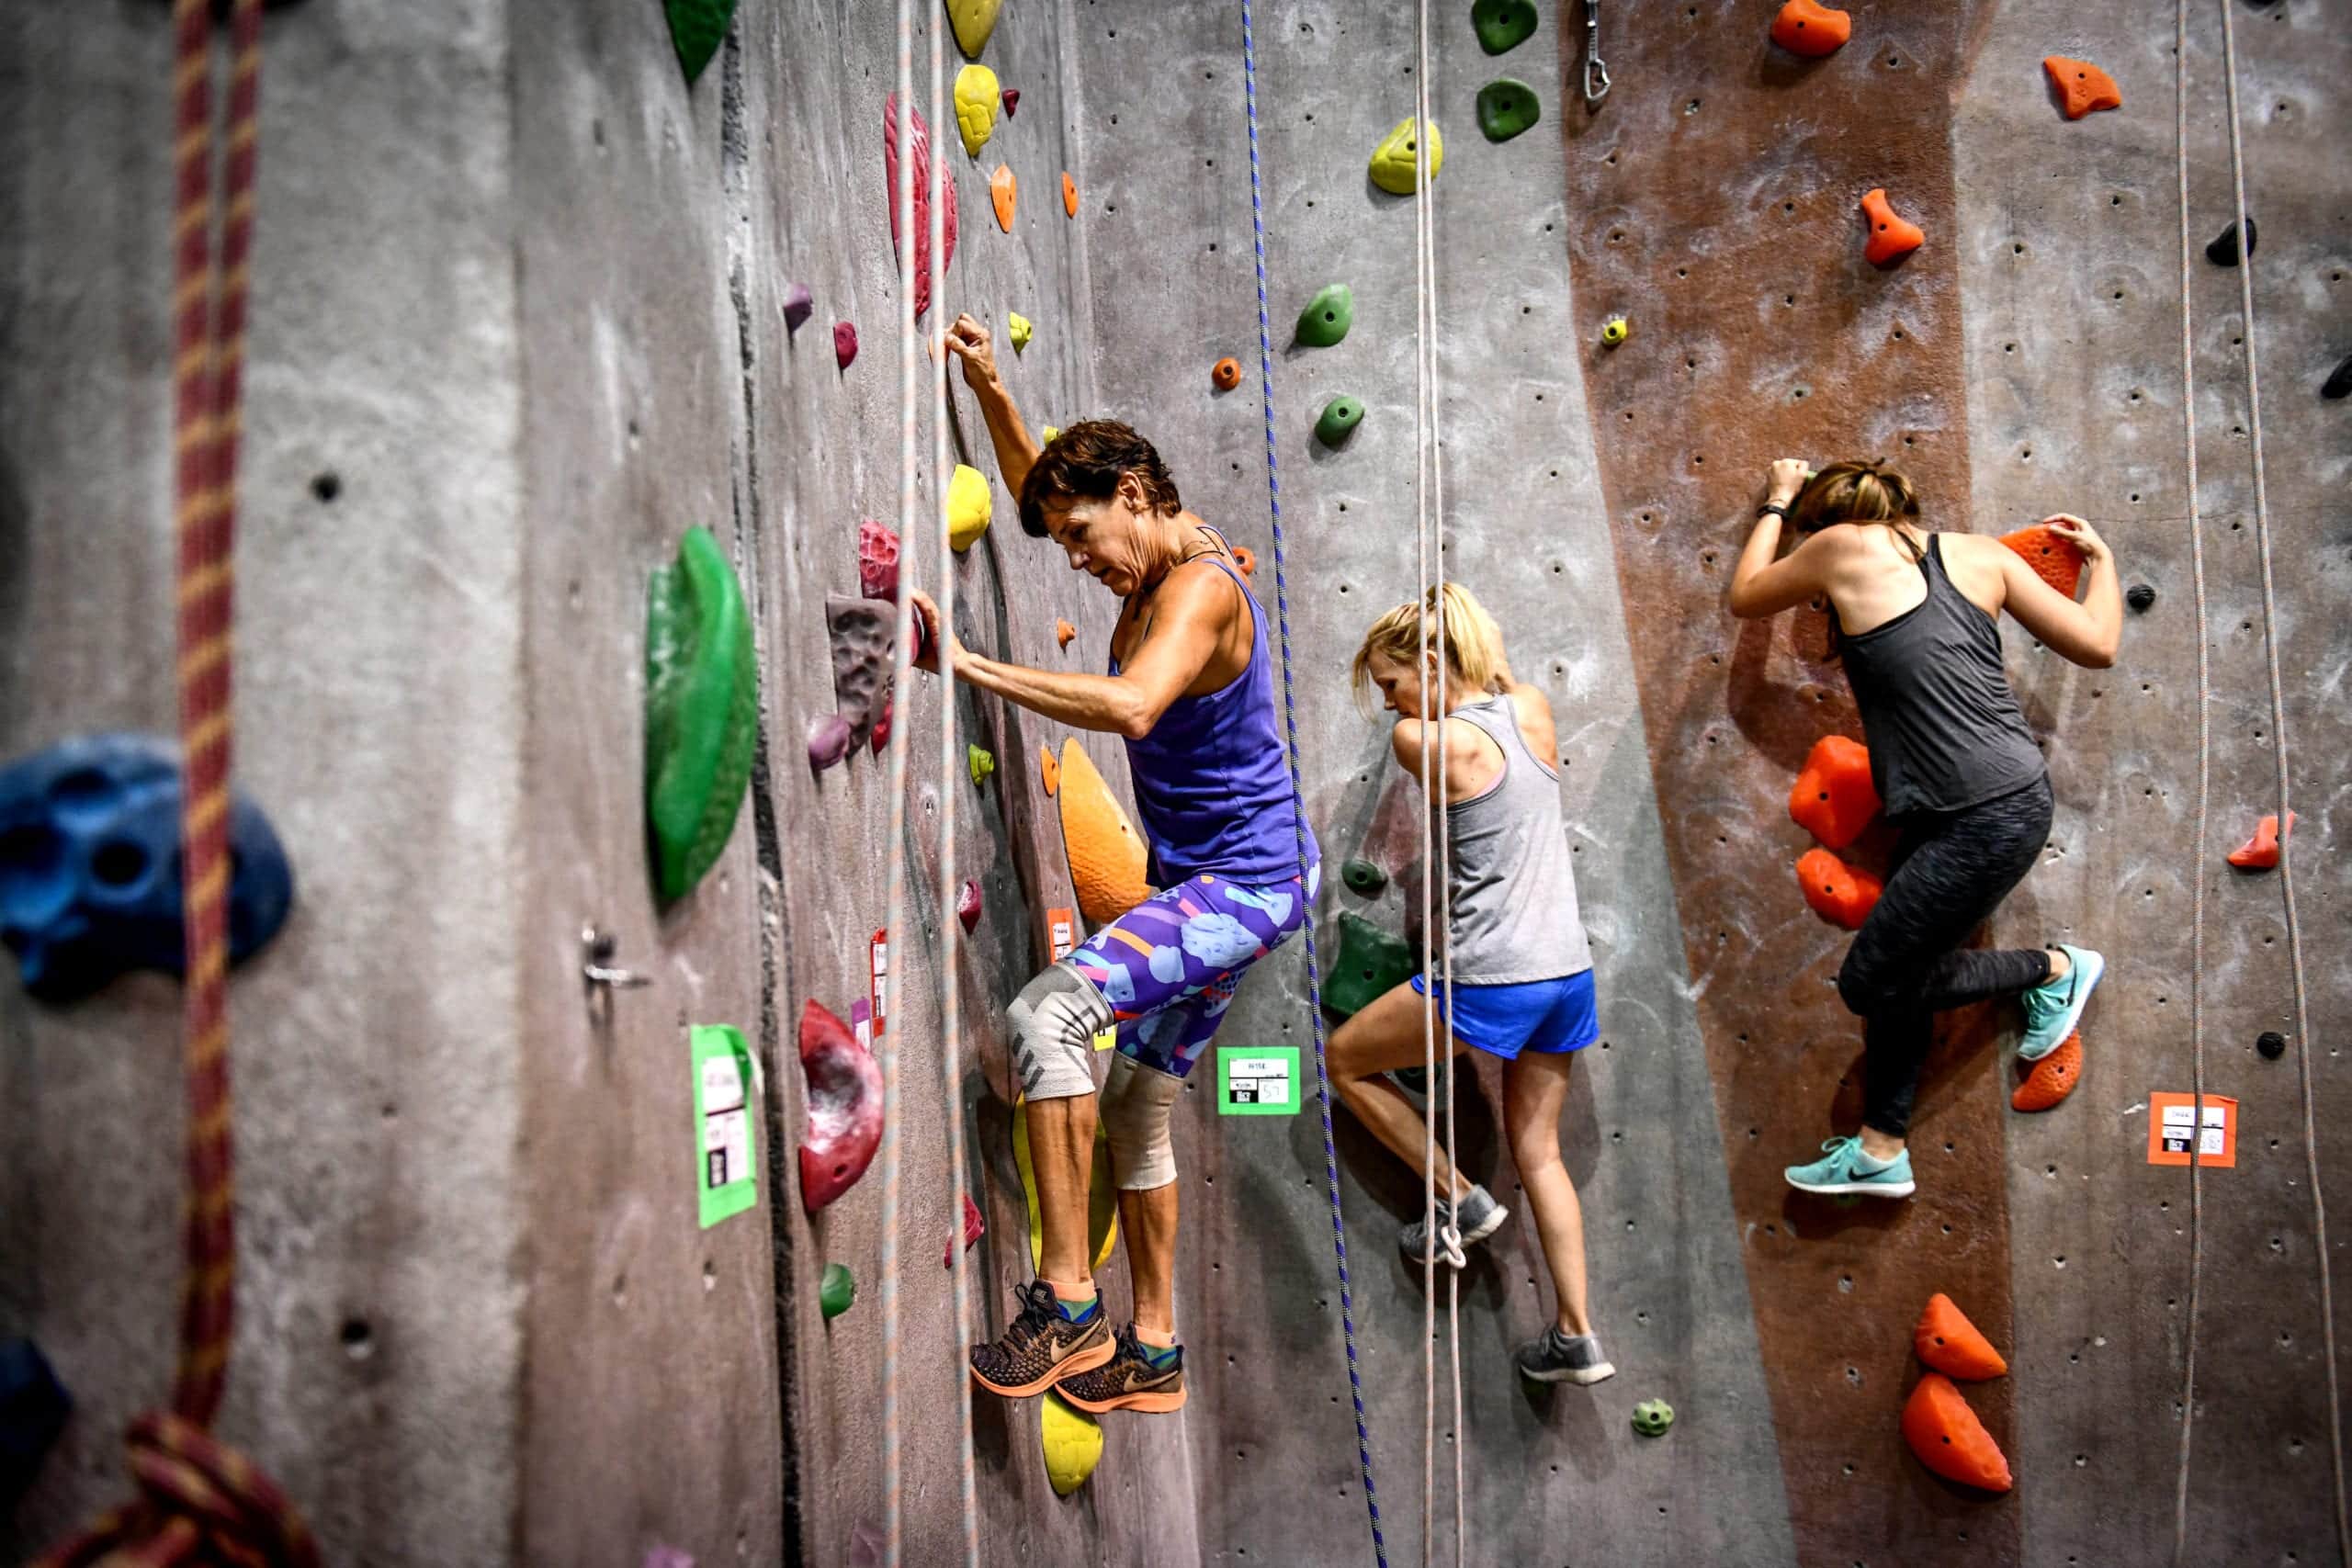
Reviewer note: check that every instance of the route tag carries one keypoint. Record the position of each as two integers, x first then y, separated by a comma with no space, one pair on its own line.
2170,1118
728,1181
1257,1080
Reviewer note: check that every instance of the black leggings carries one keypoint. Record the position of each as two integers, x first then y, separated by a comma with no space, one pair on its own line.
1951,870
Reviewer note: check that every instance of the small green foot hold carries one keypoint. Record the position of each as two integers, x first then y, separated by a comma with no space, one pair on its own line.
1371,962
1507,107
837,1291
697,29
701,711
1652,1417
1363,878
1340,417
981,762
1328,316
1502,24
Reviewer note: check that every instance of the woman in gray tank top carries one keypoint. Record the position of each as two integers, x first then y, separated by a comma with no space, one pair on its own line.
1918,618
1520,970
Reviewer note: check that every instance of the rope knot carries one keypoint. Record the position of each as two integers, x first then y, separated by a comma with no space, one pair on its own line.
202,1503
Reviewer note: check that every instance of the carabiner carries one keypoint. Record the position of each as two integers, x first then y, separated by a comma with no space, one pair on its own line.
1596,73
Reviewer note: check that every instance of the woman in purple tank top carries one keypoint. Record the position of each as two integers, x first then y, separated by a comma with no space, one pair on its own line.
1189,687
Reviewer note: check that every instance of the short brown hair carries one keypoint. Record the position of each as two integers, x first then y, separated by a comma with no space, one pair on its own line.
1085,462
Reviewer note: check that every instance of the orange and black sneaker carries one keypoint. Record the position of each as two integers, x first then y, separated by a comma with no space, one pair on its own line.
1044,1342
1137,1377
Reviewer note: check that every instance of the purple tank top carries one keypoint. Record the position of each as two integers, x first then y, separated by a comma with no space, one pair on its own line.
1211,784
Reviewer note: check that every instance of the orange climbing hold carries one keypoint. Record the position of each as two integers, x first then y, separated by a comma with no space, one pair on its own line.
2261,852
2052,1080
1225,374
1805,27
1246,559
2082,86
1949,1438
1840,894
1834,799
1069,194
1107,859
1891,237
1063,632
2055,559
1001,193
1049,770
1947,1341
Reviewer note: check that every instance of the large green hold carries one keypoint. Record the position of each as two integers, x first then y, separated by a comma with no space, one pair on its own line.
836,1291
1327,316
701,711
1370,963
1502,24
697,29
1341,416
1507,107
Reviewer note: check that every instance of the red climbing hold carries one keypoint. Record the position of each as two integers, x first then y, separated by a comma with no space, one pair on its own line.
881,736
845,1108
845,345
1947,1341
974,1228
877,559
968,905
2261,852
2052,1080
919,147
1891,237
1833,799
2082,88
1012,96
1805,27
2055,559
1949,1438
1840,894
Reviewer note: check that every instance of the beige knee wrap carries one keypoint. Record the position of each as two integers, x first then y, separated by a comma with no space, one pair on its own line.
1134,1107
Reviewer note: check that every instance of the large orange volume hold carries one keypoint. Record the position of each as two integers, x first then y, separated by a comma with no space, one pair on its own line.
1805,27
1834,799
1949,1438
2082,86
2052,1080
1108,864
1892,237
2055,559
1840,894
1947,1341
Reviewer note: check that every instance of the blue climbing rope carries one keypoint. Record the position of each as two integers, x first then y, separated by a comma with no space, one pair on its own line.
1297,792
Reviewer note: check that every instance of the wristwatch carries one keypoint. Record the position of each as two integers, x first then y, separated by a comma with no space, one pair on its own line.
1778,509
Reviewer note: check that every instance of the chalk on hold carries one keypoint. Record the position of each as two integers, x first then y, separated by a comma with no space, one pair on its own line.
2139,595
979,762
2223,249
1892,237
2052,1080
1502,24
829,739
1807,28
1370,963
1048,770
2055,559
918,153
1002,189
1838,892
1247,559
1833,799
2082,88
836,1292
1506,108
1363,878
971,503
968,905
2261,852
2339,381
1394,162
1063,632
697,29
1652,1417
1339,418
844,1101
1108,863
1948,1342
845,345
1949,1438
2271,1043
798,304
1011,101
1019,327
1327,316
1225,374
701,711
973,20
975,1228
1615,331
1072,1441
976,101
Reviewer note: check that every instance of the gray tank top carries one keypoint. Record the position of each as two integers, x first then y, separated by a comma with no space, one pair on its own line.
1514,894
1944,728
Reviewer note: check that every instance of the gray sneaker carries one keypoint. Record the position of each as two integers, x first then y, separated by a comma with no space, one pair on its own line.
1563,1358
1479,1217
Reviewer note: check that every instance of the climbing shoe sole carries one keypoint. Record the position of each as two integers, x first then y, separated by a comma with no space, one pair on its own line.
1856,1189
1085,1359
1584,1376
1147,1401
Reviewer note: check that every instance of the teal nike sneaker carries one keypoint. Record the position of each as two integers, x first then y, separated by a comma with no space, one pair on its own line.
2055,1008
1844,1168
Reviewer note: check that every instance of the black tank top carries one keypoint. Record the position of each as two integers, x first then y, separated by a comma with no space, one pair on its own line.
1944,728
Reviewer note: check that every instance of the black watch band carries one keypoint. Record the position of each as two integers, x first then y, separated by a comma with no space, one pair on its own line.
1775,508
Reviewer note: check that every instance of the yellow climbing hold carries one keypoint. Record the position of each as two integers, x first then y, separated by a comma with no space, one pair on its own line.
1048,439
969,505
981,762
1102,1201
973,21
1017,327
1073,1442
1393,160
1616,330
976,101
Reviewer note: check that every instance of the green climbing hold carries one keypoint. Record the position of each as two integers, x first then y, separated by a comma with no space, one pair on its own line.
981,762
837,1291
1652,1417
1507,107
701,711
1328,316
1502,24
1341,416
1363,878
697,29
1394,167
1371,963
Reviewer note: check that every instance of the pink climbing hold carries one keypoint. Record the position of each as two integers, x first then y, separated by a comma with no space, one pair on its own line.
974,1228
877,559
829,740
968,905
1011,101
845,1108
797,305
919,149
845,345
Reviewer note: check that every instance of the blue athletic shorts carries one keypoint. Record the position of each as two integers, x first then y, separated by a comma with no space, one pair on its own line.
1549,1016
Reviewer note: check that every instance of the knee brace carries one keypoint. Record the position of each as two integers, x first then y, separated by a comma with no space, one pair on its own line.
1136,1103
1054,1020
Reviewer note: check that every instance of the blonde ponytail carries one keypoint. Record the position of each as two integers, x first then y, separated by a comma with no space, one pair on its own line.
1474,644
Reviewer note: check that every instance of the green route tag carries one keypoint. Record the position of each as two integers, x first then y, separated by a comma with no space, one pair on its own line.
1257,1080
727,1180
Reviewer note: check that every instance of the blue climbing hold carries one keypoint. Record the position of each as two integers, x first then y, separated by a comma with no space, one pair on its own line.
90,882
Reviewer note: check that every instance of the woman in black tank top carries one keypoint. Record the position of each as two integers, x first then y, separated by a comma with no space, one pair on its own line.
1916,615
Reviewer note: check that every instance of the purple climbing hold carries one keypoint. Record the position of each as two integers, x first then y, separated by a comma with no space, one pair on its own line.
828,741
844,343
797,305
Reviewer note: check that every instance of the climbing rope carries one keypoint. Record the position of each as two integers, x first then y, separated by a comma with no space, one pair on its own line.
202,1501
1297,792
2279,752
